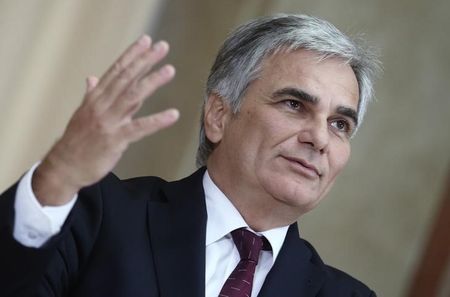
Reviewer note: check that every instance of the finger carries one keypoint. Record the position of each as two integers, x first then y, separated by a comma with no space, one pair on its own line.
91,82
134,96
133,51
125,83
141,127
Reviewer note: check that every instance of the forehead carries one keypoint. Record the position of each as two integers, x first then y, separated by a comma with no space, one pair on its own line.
329,78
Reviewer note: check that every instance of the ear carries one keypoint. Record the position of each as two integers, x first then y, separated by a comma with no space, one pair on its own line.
216,115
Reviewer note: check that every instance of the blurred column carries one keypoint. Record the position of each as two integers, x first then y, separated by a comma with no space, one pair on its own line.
432,275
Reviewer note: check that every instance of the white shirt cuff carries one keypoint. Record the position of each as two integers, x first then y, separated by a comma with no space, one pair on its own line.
34,224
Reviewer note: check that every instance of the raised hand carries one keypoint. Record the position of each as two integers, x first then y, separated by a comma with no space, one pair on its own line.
103,126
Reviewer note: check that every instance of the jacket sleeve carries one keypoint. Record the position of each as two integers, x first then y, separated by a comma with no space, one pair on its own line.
35,224
49,270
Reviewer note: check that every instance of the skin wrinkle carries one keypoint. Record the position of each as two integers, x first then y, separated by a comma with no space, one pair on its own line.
277,190
302,95
240,58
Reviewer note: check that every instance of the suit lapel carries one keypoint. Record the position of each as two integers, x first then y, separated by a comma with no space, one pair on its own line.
295,272
177,229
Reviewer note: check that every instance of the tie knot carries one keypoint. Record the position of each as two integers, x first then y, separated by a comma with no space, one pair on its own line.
248,244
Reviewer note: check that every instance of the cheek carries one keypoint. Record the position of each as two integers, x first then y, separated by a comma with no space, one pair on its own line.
338,160
255,130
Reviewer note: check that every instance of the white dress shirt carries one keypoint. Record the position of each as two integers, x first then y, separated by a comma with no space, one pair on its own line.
34,225
222,255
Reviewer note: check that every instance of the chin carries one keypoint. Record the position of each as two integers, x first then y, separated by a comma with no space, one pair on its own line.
303,203
293,194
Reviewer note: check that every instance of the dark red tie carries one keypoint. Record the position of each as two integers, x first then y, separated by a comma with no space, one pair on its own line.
240,281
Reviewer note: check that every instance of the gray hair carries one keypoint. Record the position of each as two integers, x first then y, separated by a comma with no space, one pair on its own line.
238,62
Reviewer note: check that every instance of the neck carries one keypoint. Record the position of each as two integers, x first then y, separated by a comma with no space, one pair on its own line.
259,210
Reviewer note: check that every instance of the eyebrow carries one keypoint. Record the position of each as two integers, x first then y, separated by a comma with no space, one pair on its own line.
297,93
305,96
348,112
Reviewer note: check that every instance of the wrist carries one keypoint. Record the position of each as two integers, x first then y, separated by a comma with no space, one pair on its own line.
52,184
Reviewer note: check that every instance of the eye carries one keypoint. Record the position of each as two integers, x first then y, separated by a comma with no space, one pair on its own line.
341,126
293,104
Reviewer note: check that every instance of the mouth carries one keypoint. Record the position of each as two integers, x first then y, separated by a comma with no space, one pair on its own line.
304,167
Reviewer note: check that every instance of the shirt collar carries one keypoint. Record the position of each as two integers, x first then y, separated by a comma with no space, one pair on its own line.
223,218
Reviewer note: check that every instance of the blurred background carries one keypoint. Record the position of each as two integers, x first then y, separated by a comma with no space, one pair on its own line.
387,219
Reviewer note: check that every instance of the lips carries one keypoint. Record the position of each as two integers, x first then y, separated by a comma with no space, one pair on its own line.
306,167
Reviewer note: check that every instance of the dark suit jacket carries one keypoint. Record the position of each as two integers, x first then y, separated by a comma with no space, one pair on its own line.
141,238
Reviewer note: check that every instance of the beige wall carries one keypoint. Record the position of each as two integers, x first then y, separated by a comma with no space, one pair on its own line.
374,222
48,48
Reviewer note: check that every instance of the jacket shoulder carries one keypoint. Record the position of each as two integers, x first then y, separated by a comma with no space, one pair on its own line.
136,188
338,282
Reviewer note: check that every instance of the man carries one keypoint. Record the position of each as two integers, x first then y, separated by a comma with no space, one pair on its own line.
283,98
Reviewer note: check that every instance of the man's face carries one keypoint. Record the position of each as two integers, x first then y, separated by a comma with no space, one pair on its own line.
290,138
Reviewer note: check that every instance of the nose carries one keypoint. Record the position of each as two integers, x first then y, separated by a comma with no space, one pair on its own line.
316,135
